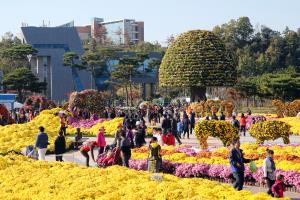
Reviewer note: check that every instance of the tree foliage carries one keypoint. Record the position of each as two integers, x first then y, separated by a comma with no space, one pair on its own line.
72,59
197,58
22,80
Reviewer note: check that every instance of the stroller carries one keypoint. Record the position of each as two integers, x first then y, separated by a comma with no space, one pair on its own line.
30,152
110,157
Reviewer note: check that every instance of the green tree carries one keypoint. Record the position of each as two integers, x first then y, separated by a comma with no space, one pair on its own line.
22,80
195,60
284,84
15,56
72,59
123,73
94,61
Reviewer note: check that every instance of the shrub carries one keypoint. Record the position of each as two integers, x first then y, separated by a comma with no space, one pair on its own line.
270,130
214,128
88,100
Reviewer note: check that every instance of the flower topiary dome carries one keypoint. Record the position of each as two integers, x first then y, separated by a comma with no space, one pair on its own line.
197,59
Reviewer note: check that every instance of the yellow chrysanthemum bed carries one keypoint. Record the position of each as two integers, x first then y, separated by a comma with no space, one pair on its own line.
23,179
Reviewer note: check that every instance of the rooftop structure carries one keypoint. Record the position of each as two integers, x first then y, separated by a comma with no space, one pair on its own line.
47,65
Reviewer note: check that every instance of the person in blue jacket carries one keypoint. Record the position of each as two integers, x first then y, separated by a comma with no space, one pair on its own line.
237,160
41,143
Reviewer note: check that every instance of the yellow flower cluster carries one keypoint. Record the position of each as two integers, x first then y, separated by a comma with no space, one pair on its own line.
270,130
34,180
17,136
256,149
214,128
294,122
110,127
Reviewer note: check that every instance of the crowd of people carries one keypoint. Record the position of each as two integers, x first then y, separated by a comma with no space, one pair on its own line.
132,133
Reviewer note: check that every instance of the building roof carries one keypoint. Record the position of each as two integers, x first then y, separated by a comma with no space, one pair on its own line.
83,29
58,37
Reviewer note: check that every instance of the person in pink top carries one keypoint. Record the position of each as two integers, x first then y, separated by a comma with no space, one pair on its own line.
243,124
101,140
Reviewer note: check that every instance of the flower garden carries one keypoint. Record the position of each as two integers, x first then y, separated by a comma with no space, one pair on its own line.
185,161
179,162
25,179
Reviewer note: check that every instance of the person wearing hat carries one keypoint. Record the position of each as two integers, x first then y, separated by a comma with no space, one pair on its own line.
101,140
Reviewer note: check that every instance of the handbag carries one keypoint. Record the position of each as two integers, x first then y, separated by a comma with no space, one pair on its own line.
253,167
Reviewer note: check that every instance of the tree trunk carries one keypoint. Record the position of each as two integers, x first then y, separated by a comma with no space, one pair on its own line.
126,90
130,90
198,93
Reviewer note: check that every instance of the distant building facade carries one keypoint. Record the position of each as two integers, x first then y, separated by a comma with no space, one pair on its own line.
125,31
47,65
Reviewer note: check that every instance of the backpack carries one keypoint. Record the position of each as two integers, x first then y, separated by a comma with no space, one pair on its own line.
236,123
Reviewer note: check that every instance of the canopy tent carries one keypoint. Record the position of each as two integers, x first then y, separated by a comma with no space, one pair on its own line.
8,99
15,105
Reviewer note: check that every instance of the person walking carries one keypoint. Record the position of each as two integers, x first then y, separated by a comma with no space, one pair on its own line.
269,171
192,122
166,124
174,130
41,143
179,128
117,140
186,124
237,160
154,159
235,123
140,135
101,140
60,146
125,149
243,123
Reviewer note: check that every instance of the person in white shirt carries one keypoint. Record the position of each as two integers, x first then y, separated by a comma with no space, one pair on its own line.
269,170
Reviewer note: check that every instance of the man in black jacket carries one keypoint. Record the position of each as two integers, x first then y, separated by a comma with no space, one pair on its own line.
174,130
166,124
237,160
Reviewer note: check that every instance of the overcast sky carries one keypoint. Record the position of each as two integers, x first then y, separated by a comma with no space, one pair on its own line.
162,17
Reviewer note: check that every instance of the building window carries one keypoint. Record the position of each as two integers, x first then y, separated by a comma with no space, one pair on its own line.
45,65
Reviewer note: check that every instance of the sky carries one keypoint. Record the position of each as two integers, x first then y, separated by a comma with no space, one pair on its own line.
162,18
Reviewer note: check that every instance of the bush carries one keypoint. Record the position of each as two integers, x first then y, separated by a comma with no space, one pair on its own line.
88,100
270,130
214,128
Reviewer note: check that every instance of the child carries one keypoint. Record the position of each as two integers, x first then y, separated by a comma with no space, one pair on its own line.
154,159
278,187
78,136
158,133
169,139
179,128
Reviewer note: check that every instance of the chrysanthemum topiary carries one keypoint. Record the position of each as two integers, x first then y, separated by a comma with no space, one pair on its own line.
89,100
214,128
270,130
197,59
